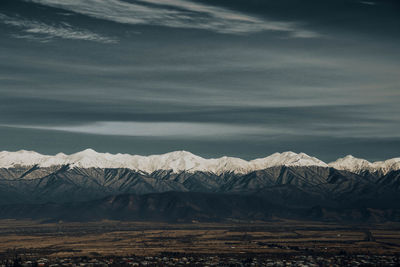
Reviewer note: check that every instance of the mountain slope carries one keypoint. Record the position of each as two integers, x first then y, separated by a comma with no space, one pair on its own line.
189,207
65,184
292,182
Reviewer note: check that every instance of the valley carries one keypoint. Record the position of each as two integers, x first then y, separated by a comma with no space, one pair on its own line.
115,238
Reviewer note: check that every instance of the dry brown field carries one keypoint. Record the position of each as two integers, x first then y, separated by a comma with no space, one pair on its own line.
152,238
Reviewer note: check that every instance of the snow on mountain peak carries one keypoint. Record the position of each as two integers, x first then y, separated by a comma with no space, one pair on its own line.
357,165
179,161
350,163
288,159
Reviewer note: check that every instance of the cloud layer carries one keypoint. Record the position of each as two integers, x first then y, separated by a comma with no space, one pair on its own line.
213,77
154,129
178,14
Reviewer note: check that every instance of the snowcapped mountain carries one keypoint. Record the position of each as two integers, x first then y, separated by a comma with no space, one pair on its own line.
180,180
288,179
356,165
183,161
177,161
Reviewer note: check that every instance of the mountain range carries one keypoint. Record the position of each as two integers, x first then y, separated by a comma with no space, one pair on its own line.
182,186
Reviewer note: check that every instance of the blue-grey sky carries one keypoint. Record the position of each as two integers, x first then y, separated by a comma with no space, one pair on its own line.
242,78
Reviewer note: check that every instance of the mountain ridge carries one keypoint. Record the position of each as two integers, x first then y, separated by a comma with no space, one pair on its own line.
179,161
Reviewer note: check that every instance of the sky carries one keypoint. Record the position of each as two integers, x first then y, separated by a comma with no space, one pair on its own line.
243,78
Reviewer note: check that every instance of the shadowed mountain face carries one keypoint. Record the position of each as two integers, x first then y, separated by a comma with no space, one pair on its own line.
189,207
282,191
172,206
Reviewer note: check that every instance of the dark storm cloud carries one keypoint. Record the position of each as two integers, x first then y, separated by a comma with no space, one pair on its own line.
214,78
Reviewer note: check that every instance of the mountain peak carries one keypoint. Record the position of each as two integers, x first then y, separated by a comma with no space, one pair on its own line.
288,158
357,165
89,151
179,154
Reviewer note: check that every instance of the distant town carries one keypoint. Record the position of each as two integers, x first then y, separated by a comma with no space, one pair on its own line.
208,260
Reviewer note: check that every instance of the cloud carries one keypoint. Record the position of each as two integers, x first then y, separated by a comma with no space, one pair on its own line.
152,129
178,14
323,121
370,3
39,31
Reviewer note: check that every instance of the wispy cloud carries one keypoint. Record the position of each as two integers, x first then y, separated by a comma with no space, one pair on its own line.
178,14
324,126
39,31
370,3
161,129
